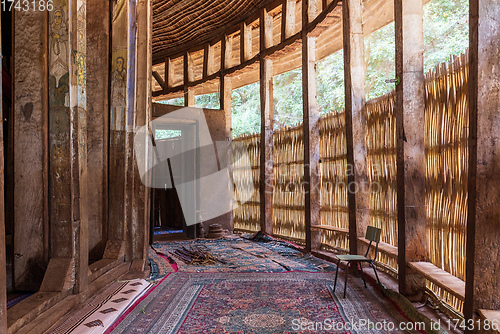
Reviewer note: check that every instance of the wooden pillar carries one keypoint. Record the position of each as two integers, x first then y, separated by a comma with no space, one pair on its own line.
78,103
3,262
483,230
266,145
312,173
121,72
410,129
31,147
142,117
356,127
266,127
69,215
226,91
98,123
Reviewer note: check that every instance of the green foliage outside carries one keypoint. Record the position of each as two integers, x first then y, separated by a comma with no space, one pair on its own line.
446,32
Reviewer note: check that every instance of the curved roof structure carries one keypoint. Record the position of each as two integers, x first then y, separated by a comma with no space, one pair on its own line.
178,24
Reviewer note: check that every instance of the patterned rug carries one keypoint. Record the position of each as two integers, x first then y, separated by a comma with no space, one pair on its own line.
242,255
160,266
257,303
104,309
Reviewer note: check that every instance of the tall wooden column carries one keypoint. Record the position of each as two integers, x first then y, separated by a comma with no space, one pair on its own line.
266,145
356,128
98,33
69,214
266,127
483,229
142,117
120,104
311,137
31,147
410,129
78,103
3,263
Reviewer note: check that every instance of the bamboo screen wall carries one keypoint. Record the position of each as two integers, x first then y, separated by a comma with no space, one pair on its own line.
247,215
381,165
333,166
288,195
446,131
447,123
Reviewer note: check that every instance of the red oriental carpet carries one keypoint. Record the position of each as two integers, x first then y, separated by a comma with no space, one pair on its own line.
288,302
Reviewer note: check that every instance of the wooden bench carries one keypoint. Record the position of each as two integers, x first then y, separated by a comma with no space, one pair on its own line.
441,278
492,316
330,228
390,250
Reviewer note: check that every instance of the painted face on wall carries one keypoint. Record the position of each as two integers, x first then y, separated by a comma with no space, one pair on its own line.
58,17
119,63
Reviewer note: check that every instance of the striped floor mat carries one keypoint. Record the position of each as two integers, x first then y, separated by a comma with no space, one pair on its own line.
104,309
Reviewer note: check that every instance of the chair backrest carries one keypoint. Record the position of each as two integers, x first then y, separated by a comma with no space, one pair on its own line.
373,235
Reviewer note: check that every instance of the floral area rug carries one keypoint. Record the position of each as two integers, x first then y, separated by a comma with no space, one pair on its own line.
290,302
241,255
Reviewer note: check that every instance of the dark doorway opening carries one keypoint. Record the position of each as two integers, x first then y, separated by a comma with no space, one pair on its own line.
168,220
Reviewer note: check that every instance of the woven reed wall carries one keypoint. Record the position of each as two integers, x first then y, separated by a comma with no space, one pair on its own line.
446,137
381,164
288,195
381,167
247,215
333,167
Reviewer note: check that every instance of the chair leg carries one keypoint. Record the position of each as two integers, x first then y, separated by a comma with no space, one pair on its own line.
378,280
336,274
362,273
346,272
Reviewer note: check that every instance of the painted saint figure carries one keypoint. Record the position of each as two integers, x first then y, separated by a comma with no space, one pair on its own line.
59,56
118,94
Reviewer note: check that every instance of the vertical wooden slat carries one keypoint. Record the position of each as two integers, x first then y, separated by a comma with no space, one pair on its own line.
266,30
79,153
189,98
46,147
3,262
228,55
288,17
206,55
245,42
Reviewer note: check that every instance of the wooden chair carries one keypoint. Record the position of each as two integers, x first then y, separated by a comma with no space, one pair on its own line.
372,234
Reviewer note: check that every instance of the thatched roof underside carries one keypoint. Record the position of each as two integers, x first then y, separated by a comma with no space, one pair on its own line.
178,24
193,23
